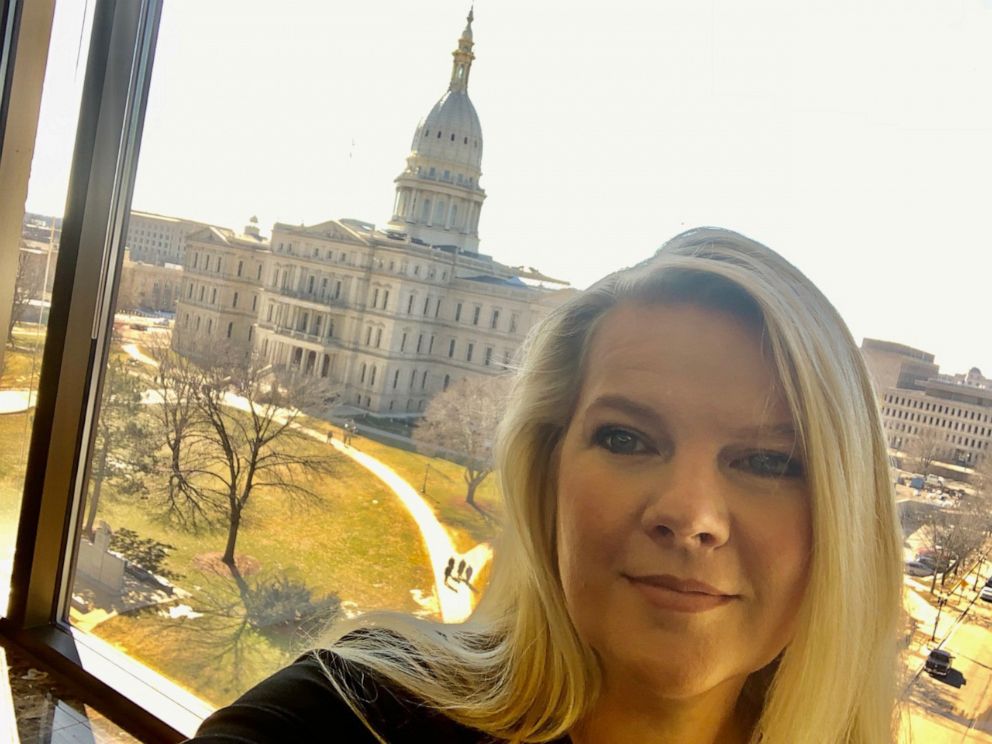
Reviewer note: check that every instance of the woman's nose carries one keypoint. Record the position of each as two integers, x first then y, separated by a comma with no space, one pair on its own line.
687,503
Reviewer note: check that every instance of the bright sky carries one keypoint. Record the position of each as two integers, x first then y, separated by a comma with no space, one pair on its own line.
853,136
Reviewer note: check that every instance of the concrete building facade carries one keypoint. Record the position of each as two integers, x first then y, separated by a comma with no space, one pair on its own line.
916,401
157,239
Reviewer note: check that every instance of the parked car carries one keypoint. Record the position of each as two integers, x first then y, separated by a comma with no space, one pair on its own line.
915,568
986,593
938,663
988,581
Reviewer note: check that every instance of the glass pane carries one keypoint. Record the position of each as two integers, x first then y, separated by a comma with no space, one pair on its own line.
254,316
36,247
256,470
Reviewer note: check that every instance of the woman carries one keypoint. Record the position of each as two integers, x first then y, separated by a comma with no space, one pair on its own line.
701,542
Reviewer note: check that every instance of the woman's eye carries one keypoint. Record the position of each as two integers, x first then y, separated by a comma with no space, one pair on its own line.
770,465
620,441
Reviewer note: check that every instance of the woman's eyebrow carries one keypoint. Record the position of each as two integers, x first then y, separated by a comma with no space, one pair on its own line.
784,430
630,407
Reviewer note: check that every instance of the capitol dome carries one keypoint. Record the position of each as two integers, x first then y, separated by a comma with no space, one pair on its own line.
438,196
451,132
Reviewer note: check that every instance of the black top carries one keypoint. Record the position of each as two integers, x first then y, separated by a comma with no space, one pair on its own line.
298,704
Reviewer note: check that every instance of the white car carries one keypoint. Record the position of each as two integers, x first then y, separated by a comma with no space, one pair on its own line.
986,593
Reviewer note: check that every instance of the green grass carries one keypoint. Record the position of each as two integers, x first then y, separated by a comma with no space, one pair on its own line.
356,541
15,429
445,488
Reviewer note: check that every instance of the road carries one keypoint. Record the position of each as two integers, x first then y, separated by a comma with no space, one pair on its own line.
957,708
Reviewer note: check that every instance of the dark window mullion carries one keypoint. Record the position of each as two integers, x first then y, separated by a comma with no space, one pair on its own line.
101,178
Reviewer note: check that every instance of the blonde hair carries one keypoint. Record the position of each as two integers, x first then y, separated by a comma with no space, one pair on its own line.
518,671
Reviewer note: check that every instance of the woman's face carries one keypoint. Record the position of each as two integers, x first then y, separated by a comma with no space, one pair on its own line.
683,515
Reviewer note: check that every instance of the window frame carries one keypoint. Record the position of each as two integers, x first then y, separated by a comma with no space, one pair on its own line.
101,179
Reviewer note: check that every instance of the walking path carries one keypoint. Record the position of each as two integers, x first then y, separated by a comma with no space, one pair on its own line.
454,606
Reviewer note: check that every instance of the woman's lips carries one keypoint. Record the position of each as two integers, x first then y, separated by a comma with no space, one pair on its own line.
680,595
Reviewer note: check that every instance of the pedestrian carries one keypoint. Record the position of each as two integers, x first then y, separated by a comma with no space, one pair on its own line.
330,435
461,569
468,574
448,569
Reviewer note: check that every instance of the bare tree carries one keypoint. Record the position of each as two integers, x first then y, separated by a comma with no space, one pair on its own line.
28,286
124,449
462,421
175,382
249,412
925,448
955,532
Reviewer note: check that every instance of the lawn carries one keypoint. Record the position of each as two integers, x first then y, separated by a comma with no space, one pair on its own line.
445,488
22,362
356,541
15,430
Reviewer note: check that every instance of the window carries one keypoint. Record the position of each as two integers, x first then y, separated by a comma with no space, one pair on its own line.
430,346
375,297
403,342
409,305
378,337
103,495
362,378
495,319
385,300
427,302
458,312
420,342
396,379
489,356
413,377
468,354
475,315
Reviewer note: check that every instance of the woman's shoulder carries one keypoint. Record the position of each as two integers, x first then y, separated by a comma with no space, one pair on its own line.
299,703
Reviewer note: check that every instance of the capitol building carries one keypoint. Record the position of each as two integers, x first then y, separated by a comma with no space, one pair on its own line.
387,316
